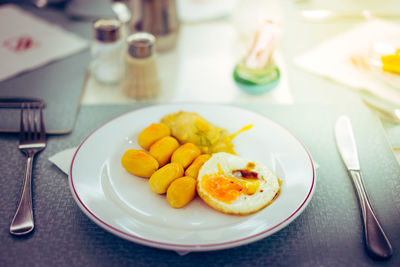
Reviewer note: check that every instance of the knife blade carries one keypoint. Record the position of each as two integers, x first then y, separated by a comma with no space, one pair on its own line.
377,244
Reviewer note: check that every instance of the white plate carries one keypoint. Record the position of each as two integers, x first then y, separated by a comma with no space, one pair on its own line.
124,205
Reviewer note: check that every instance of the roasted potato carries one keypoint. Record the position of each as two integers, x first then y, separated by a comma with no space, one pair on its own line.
139,162
185,154
193,169
162,149
152,133
162,178
181,191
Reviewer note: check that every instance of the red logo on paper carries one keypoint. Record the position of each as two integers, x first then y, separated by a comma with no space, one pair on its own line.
20,44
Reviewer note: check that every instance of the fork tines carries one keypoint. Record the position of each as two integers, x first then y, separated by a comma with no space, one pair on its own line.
32,123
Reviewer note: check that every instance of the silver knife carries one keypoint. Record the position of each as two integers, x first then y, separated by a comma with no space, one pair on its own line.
376,241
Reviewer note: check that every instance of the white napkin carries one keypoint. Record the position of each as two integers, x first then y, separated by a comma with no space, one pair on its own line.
63,159
332,58
27,42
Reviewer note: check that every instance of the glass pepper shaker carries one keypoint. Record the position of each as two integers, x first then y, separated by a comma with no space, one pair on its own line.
141,75
106,51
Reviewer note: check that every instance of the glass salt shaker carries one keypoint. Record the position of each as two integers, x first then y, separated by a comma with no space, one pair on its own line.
106,51
141,75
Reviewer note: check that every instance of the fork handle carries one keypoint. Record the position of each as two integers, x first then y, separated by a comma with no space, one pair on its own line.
22,222
377,243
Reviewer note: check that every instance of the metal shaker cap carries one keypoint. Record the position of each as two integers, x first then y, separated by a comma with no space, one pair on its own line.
141,44
107,30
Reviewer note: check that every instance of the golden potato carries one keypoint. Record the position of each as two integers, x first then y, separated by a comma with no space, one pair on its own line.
162,149
193,169
162,178
181,191
152,133
139,162
185,154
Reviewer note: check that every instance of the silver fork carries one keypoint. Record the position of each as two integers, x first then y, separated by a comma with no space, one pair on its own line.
31,141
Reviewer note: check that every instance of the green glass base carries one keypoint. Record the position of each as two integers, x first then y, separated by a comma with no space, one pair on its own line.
256,81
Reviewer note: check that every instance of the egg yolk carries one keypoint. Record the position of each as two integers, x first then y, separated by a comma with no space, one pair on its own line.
251,186
391,62
245,128
223,188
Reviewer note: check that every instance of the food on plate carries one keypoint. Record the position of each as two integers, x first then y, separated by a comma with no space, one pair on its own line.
391,62
193,169
163,177
181,191
139,162
189,127
185,154
152,133
200,155
162,149
235,185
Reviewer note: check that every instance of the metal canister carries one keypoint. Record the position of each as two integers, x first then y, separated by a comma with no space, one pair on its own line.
107,30
141,45
158,17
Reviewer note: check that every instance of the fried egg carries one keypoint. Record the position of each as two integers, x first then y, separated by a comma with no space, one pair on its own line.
235,185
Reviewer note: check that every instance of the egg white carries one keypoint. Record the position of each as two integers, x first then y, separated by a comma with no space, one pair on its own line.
269,185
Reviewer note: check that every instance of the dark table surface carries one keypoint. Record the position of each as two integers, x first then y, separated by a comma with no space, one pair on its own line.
327,233
59,83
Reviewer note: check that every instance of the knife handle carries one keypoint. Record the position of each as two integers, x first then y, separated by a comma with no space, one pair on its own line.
377,243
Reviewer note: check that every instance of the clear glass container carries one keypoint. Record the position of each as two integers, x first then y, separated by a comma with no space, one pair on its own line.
106,51
256,81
